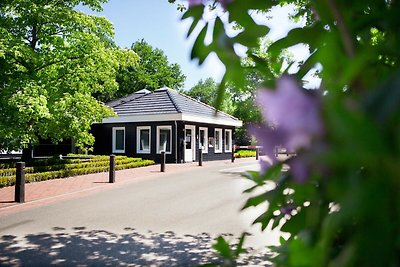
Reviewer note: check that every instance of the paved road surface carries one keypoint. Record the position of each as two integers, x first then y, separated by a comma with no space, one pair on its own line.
164,221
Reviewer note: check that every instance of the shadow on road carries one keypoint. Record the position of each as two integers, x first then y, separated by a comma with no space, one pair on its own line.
99,248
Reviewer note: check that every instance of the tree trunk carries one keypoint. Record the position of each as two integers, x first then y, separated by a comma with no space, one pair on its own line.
27,154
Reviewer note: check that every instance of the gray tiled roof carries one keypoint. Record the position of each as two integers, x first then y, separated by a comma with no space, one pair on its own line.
164,101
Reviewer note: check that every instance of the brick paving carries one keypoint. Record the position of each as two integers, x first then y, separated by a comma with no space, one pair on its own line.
41,193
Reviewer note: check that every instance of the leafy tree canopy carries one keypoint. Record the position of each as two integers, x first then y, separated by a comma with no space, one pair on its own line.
153,71
237,102
53,58
206,91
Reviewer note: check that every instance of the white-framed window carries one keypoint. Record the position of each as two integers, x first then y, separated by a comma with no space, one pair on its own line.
143,139
203,139
218,141
164,139
118,139
228,140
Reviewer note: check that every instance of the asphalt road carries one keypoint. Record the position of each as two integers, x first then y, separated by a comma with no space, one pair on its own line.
170,220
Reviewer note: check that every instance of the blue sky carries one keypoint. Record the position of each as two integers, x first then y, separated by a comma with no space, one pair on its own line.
158,22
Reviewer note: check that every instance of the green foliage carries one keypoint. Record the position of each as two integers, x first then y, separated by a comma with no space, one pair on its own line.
54,58
153,72
346,213
245,153
53,168
207,91
230,253
238,102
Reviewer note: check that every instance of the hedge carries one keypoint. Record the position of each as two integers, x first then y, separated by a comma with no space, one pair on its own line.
245,153
72,164
95,165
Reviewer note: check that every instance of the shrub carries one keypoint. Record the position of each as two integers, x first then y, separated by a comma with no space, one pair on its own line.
69,167
245,153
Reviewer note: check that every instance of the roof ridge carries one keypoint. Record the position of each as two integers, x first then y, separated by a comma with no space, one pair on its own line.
171,97
209,106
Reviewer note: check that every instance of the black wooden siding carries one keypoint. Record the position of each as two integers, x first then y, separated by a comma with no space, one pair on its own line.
103,143
103,140
211,155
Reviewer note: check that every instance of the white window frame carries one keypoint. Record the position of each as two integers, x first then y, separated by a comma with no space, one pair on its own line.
138,150
228,147
205,148
114,139
219,139
164,127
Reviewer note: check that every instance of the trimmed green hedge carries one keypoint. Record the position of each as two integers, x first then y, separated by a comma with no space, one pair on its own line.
70,167
245,153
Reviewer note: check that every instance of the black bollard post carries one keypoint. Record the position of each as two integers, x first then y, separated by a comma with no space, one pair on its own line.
257,153
233,154
112,169
162,161
20,183
200,157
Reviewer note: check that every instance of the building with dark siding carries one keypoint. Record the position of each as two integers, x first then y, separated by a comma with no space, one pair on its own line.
165,120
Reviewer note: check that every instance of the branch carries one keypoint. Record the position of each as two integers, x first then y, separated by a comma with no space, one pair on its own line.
344,31
56,62
34,36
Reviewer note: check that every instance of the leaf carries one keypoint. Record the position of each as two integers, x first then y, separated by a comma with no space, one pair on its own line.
384,100
221,93
257,200
193,12
264,219
273,172
199,49
196,14
251,189
223,248
239,247
296,223
296,36
249,37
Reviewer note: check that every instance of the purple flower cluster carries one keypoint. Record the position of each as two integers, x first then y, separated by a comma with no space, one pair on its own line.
195,2
292,120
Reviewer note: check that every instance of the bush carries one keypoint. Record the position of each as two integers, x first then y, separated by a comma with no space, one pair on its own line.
245,153
61,168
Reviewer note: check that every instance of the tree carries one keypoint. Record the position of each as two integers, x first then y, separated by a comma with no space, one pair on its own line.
237,102
54,59
206,91
152,72
338,201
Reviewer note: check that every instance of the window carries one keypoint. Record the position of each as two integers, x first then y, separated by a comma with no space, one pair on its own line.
164,139
118,139
218,141
228,140
143,135
203,139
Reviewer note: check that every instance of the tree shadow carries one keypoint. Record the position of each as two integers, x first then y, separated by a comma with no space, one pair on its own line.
99,248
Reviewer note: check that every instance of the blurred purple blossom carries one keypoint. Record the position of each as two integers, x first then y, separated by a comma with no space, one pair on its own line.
287,210
292,119
224,3
194,2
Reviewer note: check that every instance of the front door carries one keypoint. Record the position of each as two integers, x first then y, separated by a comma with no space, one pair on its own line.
190,132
